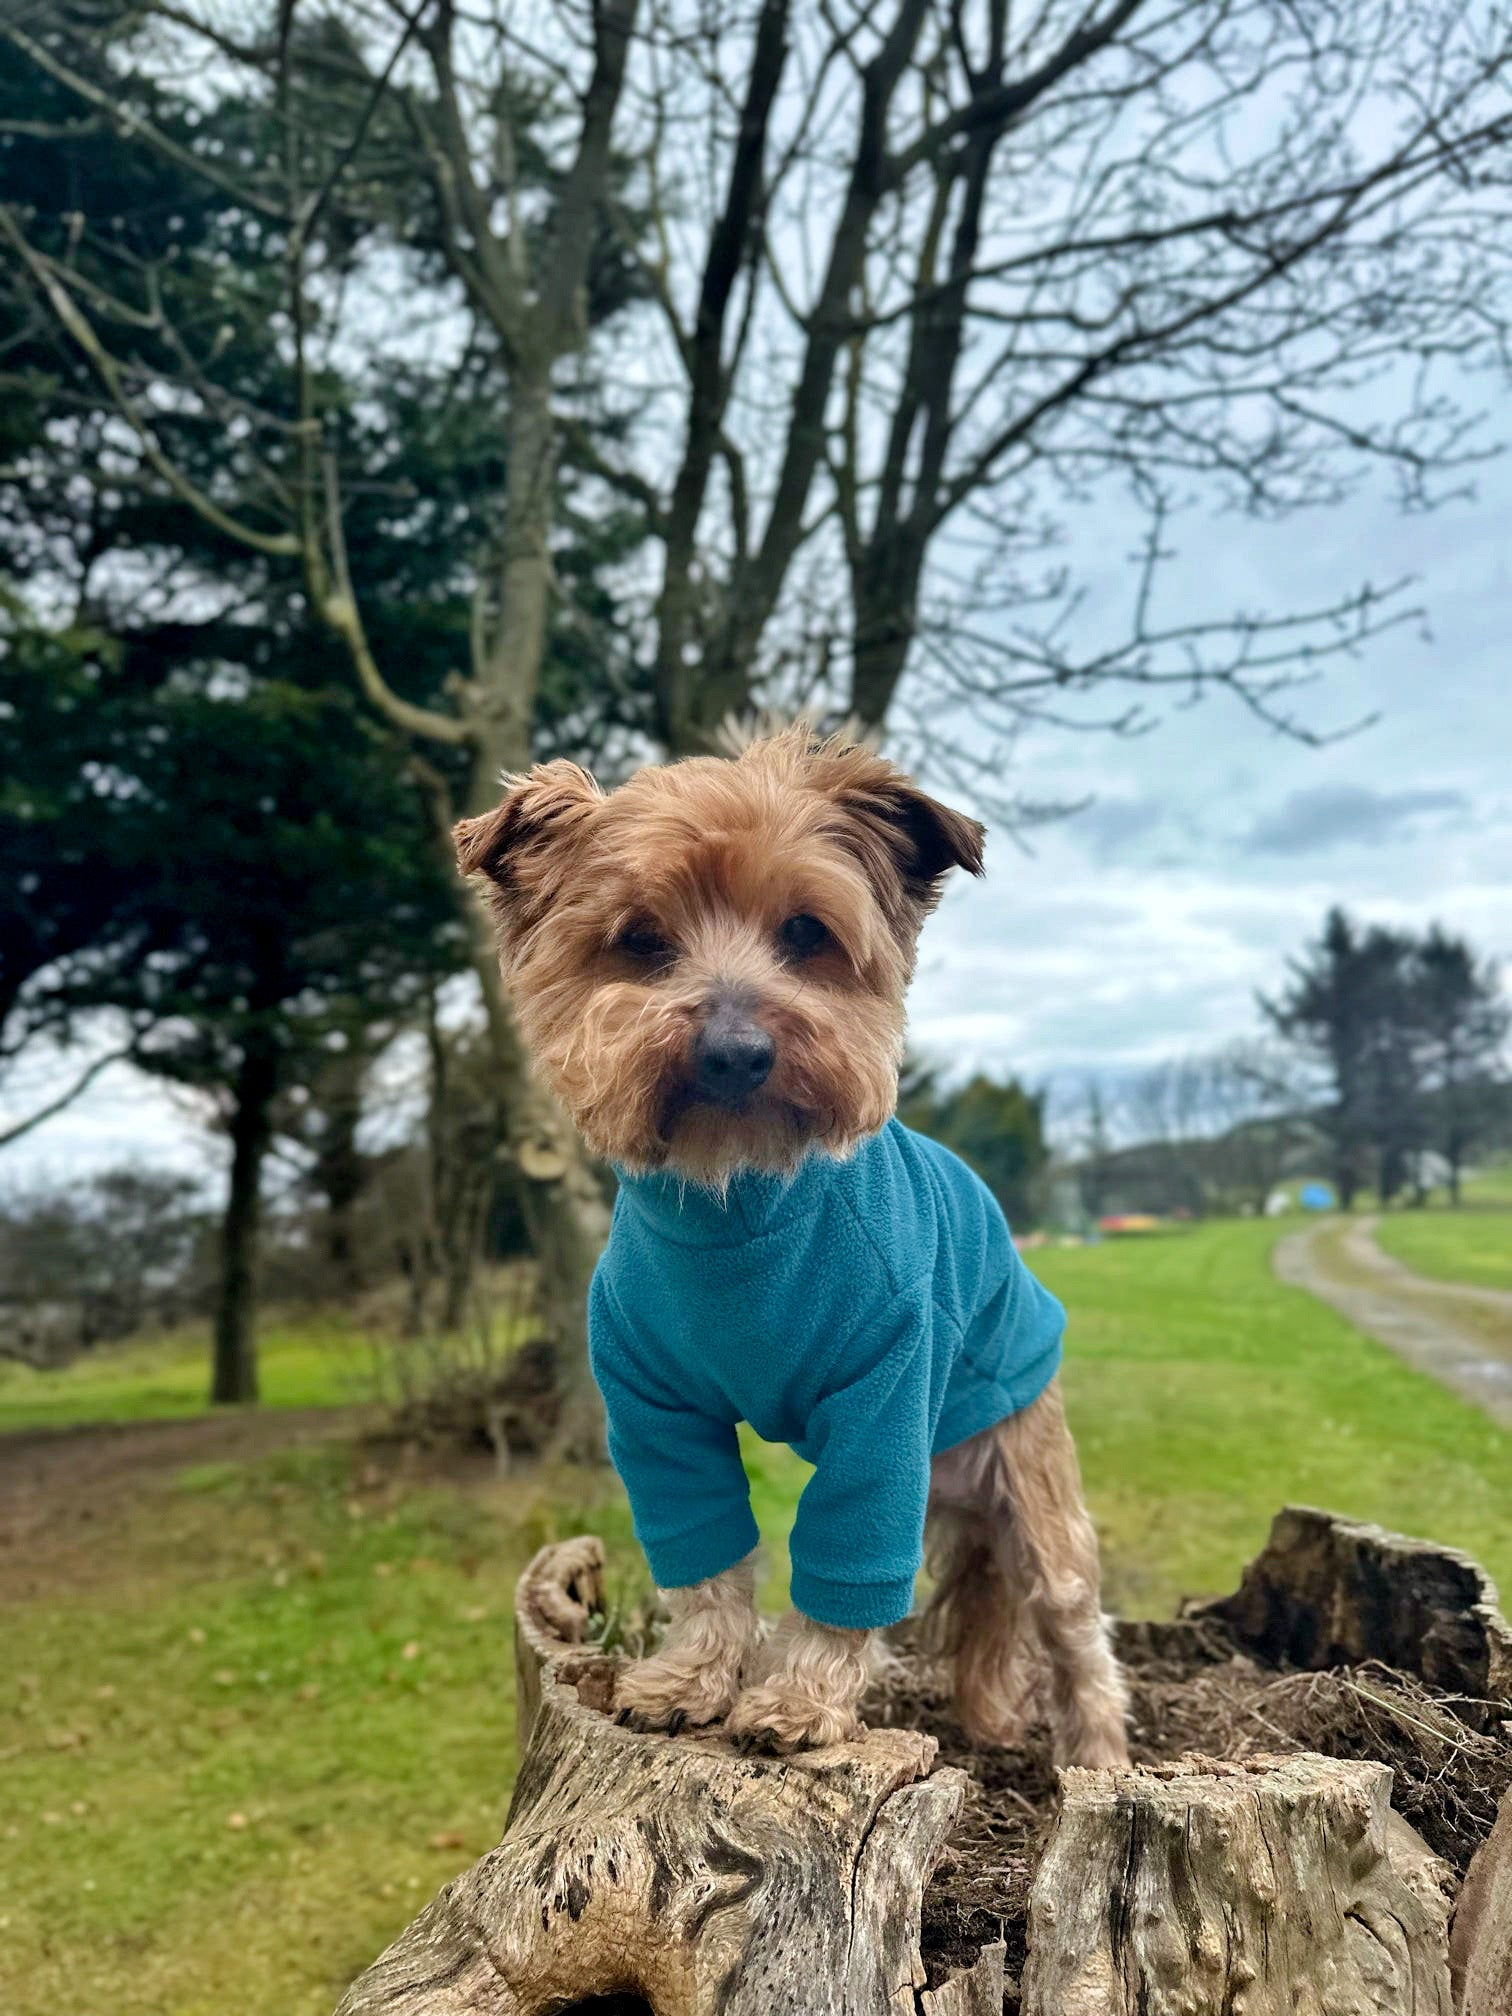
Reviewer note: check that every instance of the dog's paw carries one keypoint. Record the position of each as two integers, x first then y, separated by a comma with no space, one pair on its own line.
1105,1749
669,1694
774,1721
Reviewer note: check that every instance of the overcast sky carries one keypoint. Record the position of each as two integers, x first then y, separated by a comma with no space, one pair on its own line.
1142,927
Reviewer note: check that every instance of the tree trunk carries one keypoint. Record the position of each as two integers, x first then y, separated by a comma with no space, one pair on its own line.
673,1869
566,1218
234,1378
1272,1886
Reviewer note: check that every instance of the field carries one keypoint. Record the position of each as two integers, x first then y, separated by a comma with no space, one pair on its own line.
301,1365
254,1711
1472,1245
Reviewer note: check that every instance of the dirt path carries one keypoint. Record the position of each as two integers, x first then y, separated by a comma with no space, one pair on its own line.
1460,1336
60,1488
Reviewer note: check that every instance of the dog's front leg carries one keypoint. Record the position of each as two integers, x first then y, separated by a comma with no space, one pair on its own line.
696,1675
808,1696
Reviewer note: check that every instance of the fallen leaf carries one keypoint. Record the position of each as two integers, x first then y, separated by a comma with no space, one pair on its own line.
448,1838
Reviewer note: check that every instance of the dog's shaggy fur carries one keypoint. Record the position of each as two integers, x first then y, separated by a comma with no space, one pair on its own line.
792,879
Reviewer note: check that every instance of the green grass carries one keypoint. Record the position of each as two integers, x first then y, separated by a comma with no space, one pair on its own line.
1472,1246
321,1363
1204,1395
229,1744
232,1773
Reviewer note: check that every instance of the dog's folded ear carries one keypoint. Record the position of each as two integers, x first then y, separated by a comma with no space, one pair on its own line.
935,838
522,844
906,840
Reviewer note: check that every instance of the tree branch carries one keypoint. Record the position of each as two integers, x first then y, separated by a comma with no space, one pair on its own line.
277,545
132,126
14,1130
583,191
336,605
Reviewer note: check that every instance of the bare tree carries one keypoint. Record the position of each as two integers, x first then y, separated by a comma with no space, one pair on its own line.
1256,1108
923,284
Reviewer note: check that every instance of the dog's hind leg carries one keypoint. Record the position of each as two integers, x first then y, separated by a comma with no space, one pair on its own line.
976,1622
1020,1488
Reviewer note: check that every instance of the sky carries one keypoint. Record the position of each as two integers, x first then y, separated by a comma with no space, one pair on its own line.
1143,927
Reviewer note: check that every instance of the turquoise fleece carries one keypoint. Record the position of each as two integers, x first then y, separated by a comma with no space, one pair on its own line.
867,1312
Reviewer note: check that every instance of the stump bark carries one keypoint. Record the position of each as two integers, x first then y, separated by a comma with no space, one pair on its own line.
672,1872
1480,1951
1327,1591
1280,1886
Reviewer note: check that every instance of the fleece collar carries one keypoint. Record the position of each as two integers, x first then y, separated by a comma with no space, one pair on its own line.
752,1203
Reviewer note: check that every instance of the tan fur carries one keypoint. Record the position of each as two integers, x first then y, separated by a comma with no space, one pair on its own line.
714,854
695,1677
1017,1606
706,860
816,1675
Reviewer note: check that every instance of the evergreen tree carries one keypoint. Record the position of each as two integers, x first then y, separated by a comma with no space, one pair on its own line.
1464,1019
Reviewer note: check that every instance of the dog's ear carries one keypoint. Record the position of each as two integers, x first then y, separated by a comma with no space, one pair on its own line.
525,843
906,841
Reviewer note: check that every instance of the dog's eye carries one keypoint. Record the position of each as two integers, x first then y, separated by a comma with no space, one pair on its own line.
803,935
644,942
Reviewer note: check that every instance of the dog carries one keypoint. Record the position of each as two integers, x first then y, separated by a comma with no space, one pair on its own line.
709,966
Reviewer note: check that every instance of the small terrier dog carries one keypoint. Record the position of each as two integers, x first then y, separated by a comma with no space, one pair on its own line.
709,966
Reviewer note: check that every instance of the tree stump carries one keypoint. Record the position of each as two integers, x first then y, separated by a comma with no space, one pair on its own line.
1281,1886
1327,1591
1480,1952
672,1874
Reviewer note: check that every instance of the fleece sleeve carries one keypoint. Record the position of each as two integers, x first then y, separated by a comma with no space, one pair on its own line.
858,1539
680,1467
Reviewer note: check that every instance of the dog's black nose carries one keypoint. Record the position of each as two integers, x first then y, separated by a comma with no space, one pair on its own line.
732,1056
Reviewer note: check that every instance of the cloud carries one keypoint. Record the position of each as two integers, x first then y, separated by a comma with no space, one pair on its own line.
1338,815
1111,825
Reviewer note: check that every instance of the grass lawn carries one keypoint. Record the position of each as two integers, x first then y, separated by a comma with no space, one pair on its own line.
273,1711
307,1364
1472,1245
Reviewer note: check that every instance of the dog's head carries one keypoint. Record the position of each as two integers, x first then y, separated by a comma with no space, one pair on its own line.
709,963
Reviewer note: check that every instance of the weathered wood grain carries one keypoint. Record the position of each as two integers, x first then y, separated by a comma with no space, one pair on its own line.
673,1869
1269,1888
1480,1950
1326,1591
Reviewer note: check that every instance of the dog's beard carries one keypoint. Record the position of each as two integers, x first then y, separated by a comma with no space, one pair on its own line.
626,1077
